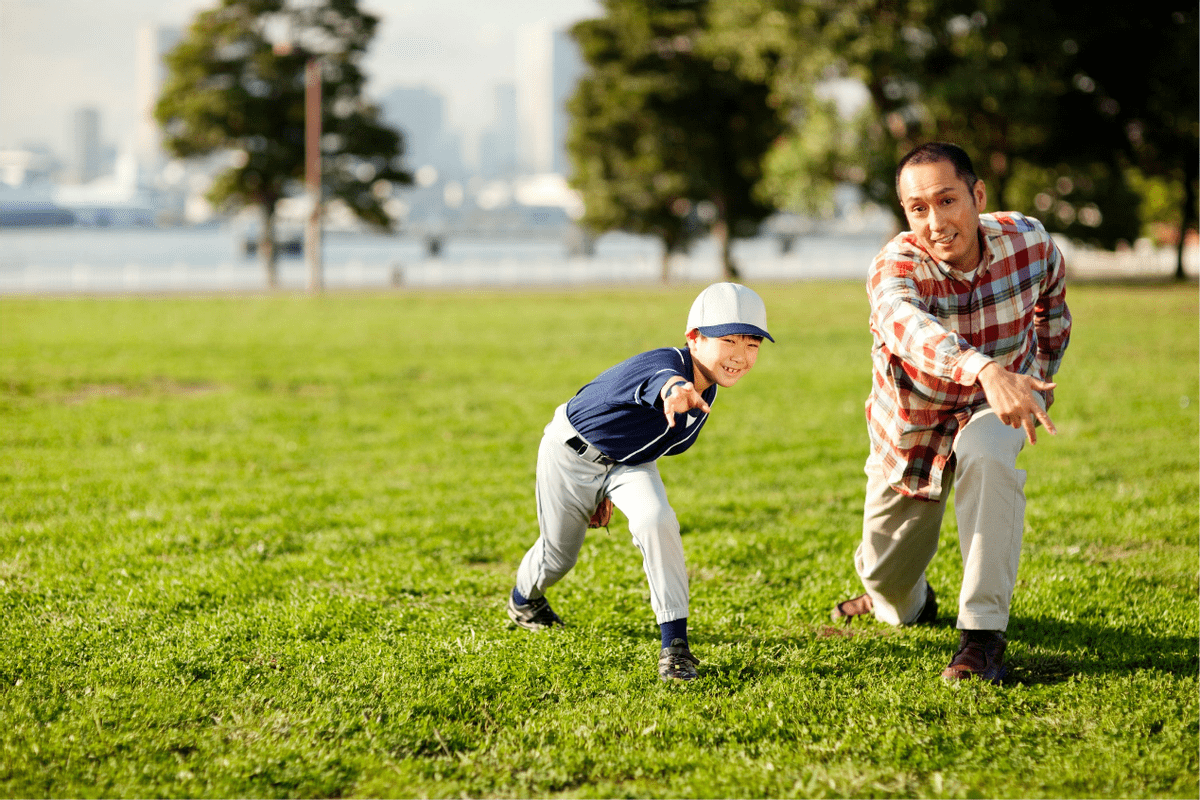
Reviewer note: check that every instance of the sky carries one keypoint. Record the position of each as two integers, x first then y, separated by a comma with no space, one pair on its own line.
59,55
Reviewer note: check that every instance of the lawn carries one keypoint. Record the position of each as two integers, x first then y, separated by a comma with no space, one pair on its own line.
259,547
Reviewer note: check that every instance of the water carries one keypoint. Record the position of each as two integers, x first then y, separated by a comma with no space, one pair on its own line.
91,260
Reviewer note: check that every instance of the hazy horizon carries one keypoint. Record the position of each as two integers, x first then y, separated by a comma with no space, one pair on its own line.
60,55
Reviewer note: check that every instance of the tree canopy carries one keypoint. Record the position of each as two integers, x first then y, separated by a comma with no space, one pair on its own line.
1065,111
667,138
236,88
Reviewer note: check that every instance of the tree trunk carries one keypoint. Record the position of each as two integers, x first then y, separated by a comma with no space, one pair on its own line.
266,246
671,243
729,269
1189,216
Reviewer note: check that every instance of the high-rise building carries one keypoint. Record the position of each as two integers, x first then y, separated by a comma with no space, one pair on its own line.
153,43
568,69
548,68
86,153
418,113
498,142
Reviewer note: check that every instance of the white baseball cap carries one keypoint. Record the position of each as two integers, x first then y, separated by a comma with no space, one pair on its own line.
728,308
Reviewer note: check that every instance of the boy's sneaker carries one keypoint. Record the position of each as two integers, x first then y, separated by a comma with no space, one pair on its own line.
535,615
676,663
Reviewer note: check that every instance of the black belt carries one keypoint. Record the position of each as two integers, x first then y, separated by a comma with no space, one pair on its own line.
581,447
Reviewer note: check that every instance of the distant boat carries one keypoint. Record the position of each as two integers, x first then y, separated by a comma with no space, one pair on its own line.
292,245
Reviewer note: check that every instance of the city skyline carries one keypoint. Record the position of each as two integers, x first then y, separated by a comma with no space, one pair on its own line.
59,56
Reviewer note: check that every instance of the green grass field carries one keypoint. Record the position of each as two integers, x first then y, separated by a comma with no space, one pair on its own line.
260,546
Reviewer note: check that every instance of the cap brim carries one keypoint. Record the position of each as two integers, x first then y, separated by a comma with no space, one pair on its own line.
734,328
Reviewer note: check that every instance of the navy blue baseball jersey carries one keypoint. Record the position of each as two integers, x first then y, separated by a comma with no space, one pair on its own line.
617,411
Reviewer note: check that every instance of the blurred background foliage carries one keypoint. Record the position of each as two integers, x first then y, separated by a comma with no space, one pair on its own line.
705,117
668,136
1089,121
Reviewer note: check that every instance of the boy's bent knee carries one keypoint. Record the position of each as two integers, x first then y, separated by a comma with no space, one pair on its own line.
659,519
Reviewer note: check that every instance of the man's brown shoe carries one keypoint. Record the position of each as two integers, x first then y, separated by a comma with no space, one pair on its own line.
980,655
855,607
928,613
863,604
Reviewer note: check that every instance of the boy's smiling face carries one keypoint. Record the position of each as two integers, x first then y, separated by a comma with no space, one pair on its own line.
722,360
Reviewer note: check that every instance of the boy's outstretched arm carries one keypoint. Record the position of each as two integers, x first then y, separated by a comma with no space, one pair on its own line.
680,396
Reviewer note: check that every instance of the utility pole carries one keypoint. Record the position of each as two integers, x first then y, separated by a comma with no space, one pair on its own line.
312,172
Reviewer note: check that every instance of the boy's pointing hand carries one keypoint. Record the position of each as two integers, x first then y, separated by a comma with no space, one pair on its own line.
679,398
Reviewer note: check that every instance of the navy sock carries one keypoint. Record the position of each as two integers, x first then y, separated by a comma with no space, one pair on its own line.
675,629
519,598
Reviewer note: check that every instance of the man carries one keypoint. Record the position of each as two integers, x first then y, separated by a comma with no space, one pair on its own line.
970,324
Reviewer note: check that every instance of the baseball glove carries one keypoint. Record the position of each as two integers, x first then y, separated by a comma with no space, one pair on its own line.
601,515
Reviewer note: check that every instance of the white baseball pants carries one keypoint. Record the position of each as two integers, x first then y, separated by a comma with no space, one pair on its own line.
900,534
569,488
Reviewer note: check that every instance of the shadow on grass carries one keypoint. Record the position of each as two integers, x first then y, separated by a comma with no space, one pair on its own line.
1053,650
1041,650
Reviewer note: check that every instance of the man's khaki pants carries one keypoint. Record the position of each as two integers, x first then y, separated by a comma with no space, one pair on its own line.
900,534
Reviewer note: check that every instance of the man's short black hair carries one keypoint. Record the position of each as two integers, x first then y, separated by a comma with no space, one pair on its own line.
932,153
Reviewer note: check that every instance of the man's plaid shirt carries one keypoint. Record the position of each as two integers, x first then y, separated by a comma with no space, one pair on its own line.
934,332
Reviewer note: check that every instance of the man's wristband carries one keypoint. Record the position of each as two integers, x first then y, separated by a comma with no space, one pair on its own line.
672,388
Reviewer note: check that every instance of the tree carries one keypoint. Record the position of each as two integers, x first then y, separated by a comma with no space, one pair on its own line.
1053,119
236,88
1154,109
666,139
771,42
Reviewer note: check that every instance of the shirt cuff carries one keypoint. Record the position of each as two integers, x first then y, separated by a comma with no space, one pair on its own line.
970,366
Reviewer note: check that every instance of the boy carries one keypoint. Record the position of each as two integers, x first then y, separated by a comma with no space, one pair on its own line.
603,446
